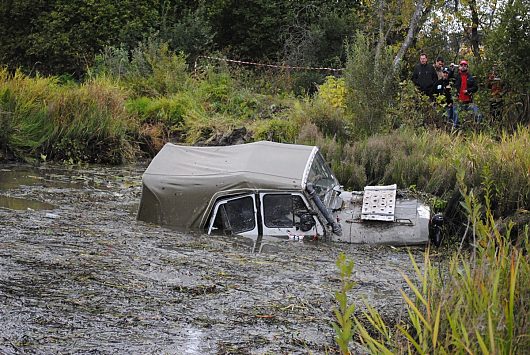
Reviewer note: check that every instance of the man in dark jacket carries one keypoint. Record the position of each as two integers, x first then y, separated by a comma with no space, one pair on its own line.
466,86
424,76
443,94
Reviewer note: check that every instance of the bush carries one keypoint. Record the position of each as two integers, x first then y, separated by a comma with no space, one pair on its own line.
333,92
368,91
76,123
152,69
276,130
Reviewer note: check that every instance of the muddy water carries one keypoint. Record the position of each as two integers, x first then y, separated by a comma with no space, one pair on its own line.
78,274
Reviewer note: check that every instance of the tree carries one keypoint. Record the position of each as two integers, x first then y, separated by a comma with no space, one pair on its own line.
17,23
248,29
68,36
507,48
64,35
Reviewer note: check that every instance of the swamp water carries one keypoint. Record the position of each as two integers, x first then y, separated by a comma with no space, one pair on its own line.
79,274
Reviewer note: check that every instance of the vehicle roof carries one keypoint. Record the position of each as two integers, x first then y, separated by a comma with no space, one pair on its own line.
276,161
181,181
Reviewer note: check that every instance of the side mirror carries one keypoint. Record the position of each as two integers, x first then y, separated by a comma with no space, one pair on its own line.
306,222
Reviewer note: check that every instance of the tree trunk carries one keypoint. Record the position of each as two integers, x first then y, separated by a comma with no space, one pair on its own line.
381,36
474,38
415,22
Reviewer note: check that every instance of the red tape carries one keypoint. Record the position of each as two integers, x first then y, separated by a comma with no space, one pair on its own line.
268,65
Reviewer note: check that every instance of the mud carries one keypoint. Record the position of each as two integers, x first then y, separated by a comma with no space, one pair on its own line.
82,276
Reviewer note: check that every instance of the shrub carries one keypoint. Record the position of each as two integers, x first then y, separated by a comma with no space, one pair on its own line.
368,92
76,123
333,92
169,110
413,109
152,69
276,130
331,121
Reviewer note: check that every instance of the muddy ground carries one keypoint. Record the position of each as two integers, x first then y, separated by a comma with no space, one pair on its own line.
78,274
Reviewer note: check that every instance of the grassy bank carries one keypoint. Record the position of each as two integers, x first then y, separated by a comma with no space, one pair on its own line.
43,119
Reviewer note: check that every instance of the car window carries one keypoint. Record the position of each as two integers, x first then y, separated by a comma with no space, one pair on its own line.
282,210
321,177
236,216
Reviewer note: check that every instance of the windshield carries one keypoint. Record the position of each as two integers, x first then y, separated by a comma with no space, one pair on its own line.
321,177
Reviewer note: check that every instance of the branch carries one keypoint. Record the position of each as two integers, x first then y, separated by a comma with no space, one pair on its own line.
381,38
418,17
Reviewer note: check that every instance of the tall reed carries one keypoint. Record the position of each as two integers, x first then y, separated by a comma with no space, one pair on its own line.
85,122
476,303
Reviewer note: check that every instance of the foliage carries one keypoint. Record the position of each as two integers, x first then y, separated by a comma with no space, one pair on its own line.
343,326
63,36
478,306
151,70
331,121
367,95
276,130
317,31
191,33
413,109
508,46
81,123
333,92
250,28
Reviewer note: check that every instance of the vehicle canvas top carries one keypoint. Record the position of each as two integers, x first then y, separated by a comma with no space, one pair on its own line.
181,181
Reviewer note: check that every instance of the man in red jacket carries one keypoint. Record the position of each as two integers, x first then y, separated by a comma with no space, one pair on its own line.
466,86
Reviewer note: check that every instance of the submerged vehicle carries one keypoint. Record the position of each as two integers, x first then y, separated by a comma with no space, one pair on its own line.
273,189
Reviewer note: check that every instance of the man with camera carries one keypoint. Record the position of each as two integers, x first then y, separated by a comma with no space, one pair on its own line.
439,66
443,94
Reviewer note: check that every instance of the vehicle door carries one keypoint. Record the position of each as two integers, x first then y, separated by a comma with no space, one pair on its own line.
236,215
288,214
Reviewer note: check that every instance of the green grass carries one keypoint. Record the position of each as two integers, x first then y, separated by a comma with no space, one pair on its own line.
476,301
85,122
344,325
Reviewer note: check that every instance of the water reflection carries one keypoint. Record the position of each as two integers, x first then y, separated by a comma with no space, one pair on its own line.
106,179
15,203
193,342
11,179
262,244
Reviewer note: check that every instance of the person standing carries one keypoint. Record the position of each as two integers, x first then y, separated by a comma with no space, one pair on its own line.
466,86
424,76
494,83
438,67
443,88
